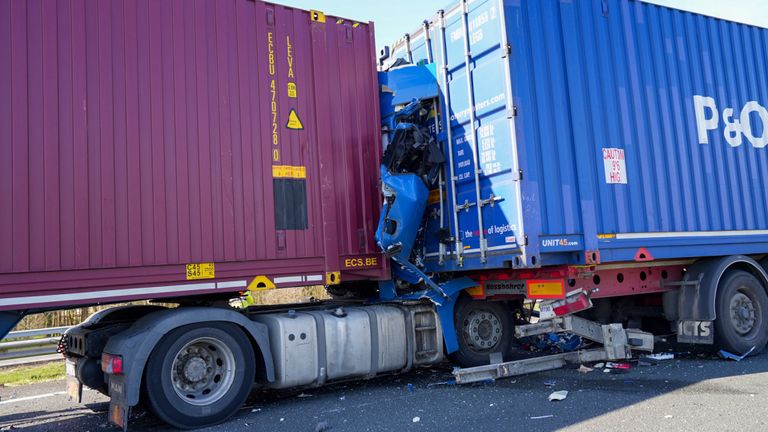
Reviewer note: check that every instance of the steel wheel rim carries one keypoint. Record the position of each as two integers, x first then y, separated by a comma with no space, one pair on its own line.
743,313
203,371
482,330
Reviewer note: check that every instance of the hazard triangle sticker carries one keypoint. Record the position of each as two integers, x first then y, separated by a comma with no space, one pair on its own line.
294,122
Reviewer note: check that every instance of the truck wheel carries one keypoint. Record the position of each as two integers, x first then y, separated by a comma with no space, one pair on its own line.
200,375
742,313
483,328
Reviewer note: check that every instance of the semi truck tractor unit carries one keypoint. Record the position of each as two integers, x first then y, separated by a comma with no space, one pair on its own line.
509,173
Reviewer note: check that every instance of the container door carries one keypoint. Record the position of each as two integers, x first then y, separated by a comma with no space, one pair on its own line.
482,181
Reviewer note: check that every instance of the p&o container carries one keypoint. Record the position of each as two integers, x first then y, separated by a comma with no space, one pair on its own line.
587,131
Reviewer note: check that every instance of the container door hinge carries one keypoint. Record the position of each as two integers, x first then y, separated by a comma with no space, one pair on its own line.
507,51
512,112
519,176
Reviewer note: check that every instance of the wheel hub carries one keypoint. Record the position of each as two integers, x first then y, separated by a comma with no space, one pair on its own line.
195,369
203,371
482,330
743,313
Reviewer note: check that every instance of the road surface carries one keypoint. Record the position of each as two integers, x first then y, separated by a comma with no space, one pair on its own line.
691,393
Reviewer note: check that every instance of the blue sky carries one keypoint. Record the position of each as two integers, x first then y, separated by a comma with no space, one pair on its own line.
394,18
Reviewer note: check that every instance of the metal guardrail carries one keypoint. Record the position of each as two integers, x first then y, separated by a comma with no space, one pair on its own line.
30,343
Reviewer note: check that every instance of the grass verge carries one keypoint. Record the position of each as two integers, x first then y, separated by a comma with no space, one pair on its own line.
24,375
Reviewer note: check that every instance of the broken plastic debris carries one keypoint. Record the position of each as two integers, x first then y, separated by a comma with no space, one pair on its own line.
442,383
558,395
660,356
585,369
416,419
542,417
304,395
599,365
730,356
617,367
550,383
255,410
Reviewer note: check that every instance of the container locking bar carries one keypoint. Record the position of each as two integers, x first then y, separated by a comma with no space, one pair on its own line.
473,126
446,90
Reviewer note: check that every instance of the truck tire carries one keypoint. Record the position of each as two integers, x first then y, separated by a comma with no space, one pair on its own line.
199,375
482,328
742,313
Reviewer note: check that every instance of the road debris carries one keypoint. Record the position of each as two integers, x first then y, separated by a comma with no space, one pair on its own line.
584,369
558,395
550,383
410,388
542,417
322,427
304,395
442,383
730,356
416,419
612,367
660,356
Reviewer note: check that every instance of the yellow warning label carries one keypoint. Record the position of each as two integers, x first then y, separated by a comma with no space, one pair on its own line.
545,289
294,122
289,172
200,271
292,93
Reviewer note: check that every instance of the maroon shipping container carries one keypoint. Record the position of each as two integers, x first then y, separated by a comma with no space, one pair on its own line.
139,137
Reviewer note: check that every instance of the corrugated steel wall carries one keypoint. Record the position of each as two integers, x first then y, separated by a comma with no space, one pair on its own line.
604,88
140,133
628,71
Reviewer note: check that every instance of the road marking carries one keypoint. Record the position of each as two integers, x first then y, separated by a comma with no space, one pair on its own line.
22,399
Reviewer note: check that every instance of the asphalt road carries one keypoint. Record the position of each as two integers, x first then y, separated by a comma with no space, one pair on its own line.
686,394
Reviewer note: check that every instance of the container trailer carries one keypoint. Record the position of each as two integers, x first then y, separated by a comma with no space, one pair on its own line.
602,159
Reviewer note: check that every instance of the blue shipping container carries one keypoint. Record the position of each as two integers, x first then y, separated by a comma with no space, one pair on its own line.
587,131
